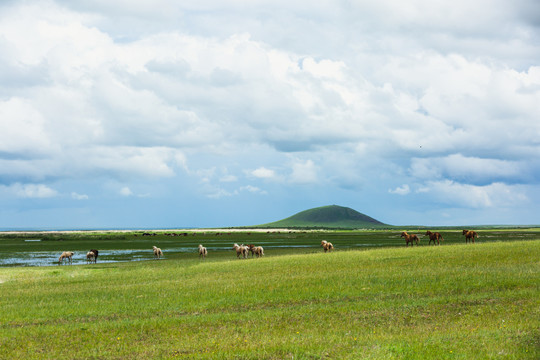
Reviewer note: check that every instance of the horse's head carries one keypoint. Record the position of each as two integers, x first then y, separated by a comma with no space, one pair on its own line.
428,232
404,234
465,231
323,242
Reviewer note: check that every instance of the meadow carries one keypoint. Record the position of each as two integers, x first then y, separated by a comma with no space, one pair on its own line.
372,298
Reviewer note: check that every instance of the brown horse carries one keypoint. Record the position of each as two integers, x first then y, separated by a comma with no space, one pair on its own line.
434,237
241,250
410,238
251,248
259,251
327,246
470,235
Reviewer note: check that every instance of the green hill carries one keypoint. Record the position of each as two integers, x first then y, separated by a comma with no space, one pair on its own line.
332,216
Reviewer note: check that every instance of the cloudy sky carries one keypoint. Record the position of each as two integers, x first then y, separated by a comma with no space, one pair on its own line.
161,113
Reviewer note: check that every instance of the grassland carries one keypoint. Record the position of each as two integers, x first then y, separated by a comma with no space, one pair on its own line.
450,302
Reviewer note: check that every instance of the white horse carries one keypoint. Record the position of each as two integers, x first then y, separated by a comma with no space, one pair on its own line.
202,252
327,246
90,257
157,252
241,250
258,250
66,255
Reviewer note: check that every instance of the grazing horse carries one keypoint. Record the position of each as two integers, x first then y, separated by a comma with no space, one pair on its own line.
202,252
258,250
410,238
96,253
470,235
157,252
327,246
434,237
241,250
66,255
90,257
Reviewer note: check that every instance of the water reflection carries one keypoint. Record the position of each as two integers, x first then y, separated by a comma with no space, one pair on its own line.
50,258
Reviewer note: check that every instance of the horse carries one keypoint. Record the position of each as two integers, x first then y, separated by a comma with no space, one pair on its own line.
96,253
434,237
90,257
66,255
157,252
470,235
410,238
327,246
241,250
250,248
259,251
202,252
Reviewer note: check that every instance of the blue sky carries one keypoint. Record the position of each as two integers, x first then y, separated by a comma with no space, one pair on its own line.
158,114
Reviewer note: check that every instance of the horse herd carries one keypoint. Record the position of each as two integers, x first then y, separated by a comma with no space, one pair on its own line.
242,251
470,235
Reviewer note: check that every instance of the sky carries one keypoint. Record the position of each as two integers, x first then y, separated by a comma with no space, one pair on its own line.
221,113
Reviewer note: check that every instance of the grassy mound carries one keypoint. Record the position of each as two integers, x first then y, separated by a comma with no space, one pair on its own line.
443,302
332,217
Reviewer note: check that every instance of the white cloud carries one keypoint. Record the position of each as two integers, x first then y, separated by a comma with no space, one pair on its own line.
30,190
431,92
77,196
400,190
263,173
228,178
253,189
472,169
126,191
304,172
471,196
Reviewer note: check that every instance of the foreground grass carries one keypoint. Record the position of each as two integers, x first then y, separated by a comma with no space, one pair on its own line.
448,302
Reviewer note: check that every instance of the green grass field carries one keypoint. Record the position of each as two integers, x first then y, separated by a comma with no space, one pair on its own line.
449,302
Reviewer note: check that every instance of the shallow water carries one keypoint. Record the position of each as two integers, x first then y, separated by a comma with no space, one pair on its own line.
50,258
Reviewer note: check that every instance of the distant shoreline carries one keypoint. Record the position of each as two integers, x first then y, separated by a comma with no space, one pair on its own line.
119,231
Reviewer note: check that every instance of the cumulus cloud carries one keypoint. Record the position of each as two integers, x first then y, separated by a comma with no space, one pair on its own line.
471,196
263,173
304,172
400,190
30,190
431,92
471,169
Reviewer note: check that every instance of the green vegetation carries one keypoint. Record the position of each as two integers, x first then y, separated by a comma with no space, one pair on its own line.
454,301
328,217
